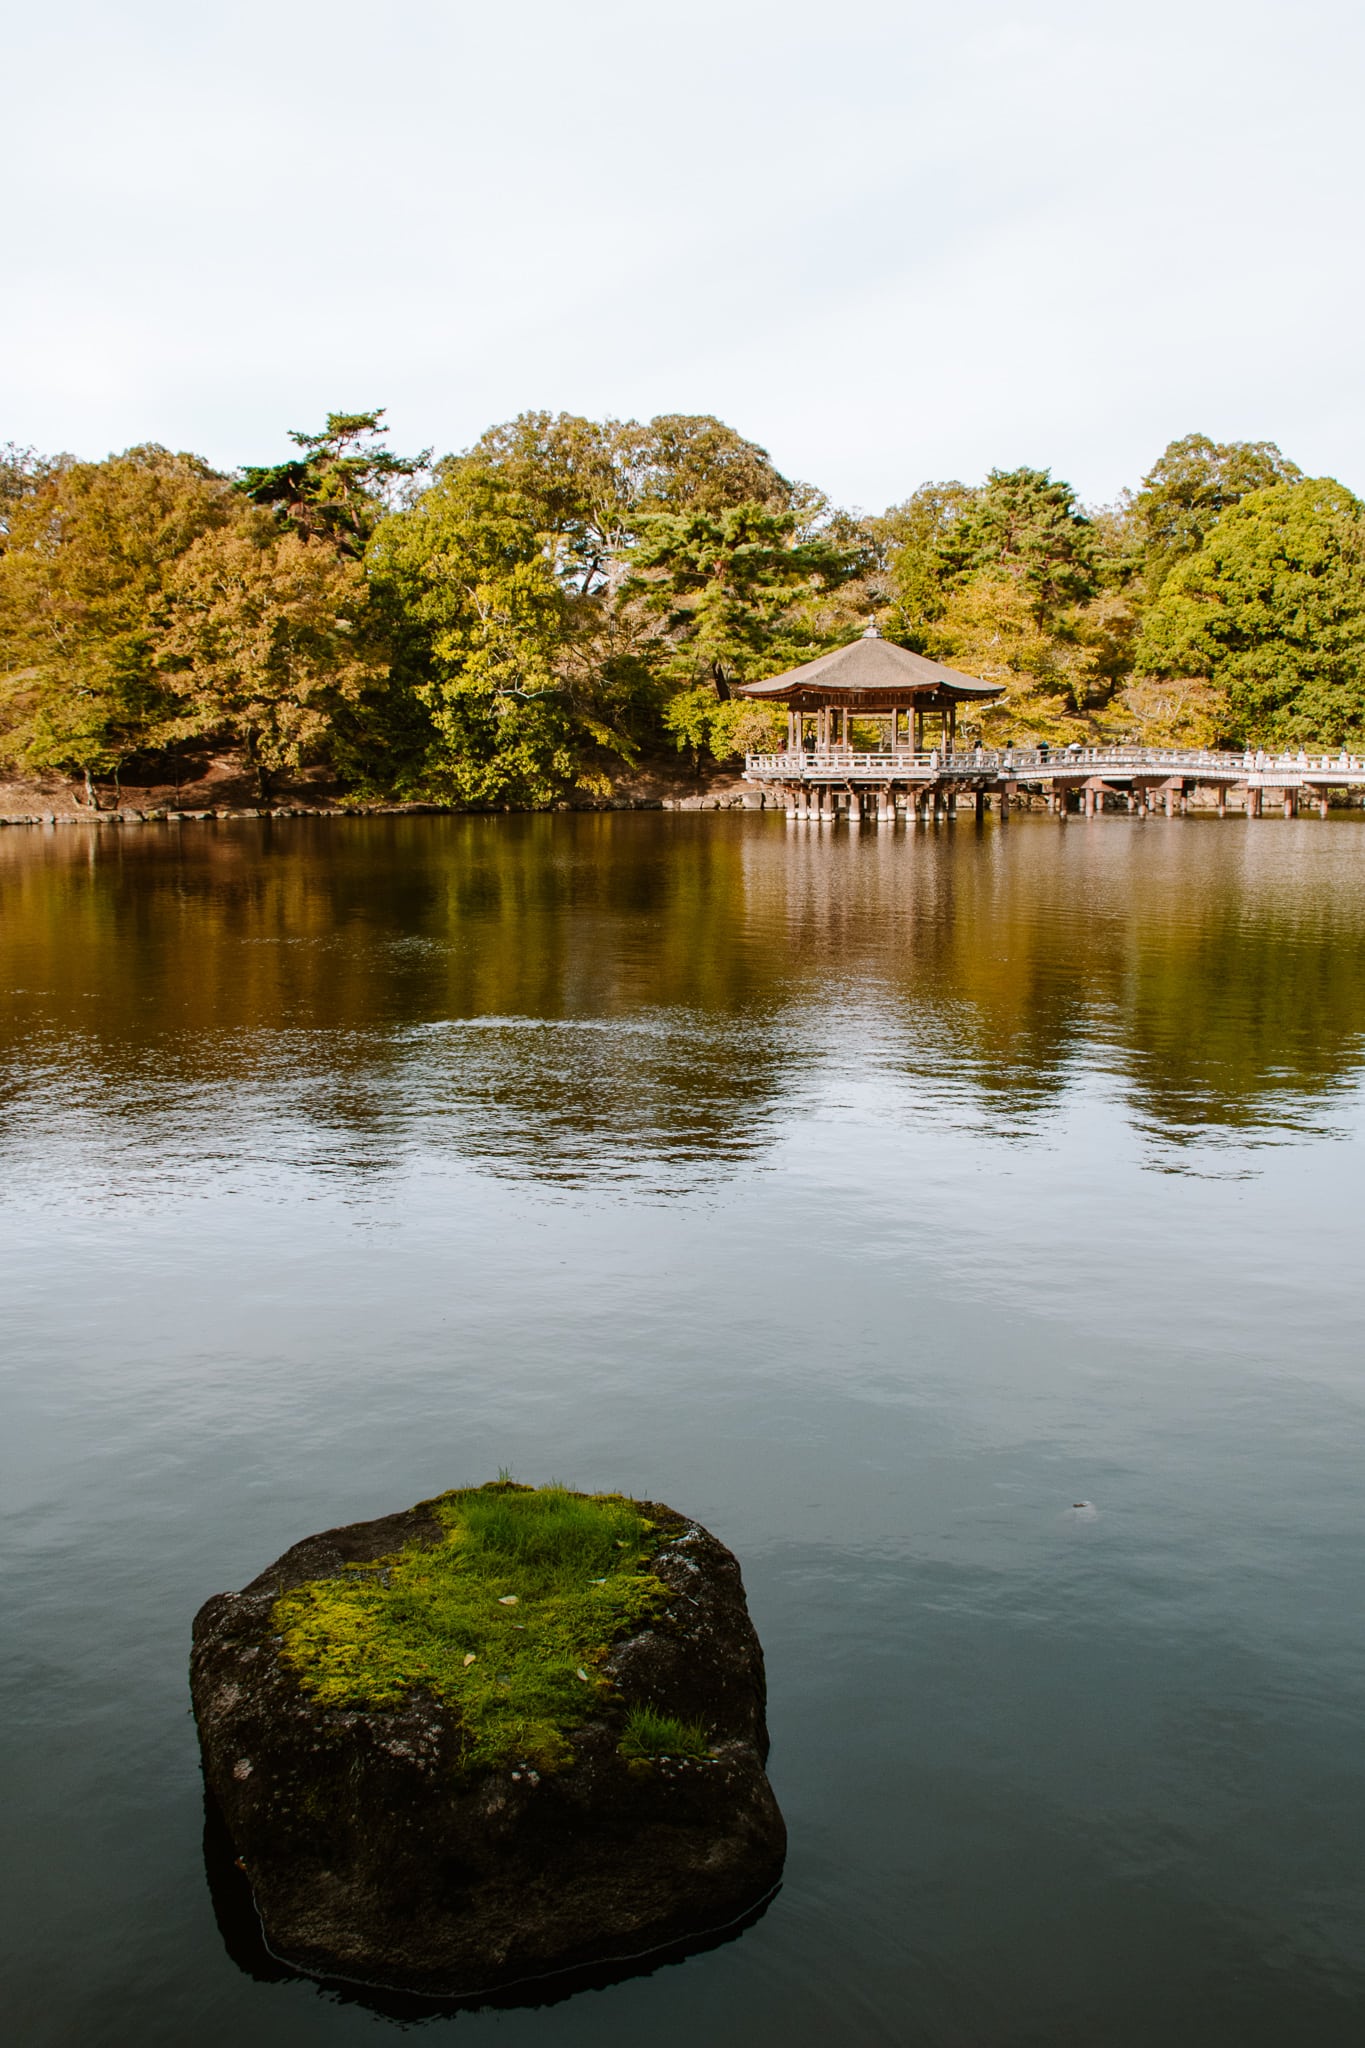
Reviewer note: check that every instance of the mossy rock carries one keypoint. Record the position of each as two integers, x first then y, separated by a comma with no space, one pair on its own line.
508,1733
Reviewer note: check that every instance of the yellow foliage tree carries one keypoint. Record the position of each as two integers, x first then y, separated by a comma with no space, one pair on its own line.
264,634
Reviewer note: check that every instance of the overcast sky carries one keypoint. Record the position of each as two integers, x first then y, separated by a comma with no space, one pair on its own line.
888,240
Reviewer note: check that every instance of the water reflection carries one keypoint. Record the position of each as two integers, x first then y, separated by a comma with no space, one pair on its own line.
650,1000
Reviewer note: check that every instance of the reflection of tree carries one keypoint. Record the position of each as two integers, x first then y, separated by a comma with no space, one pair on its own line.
600,998
551,996
1220,980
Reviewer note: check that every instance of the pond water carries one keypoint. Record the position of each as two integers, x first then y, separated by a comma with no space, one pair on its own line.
874,1199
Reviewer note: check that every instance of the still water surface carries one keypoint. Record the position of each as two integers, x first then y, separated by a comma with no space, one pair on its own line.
873,1199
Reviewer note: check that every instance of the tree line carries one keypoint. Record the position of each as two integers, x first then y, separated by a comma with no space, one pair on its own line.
517,624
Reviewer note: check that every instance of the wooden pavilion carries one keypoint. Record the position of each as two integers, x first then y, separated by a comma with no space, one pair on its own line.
875,681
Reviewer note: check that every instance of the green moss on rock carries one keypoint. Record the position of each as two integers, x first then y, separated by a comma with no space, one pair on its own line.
507,1619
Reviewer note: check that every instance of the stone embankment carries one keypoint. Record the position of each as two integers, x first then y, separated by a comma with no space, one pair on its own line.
749,800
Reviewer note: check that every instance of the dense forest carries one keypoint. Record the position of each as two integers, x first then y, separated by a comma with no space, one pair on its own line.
521,623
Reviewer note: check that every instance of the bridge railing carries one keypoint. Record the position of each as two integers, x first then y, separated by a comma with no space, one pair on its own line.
1006,762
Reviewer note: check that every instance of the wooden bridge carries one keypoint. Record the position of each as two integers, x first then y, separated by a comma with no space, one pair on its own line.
822,784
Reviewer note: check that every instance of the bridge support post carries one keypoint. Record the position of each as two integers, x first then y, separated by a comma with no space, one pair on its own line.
952,806
789,799
1253,802
1222,801
1170,803
1004,801
980,801
1290,805
1323,804
1090,803
855,808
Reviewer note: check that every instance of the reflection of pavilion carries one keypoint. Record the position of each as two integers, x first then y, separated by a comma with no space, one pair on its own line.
878,683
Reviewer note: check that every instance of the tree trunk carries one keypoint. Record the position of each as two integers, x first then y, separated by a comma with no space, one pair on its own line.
258,768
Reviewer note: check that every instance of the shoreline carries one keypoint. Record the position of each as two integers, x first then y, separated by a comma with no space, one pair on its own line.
749,800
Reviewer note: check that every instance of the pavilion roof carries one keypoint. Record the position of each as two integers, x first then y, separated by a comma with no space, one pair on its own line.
872,668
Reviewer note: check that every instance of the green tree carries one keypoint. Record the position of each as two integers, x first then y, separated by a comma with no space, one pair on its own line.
1013,581
341,486
693,462
576,480
82,577
1189,488
726,588
910,541
493,626
1271,612
1027,526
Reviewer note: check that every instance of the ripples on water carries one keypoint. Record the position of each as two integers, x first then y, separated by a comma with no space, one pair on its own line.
627,1002
876,1198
